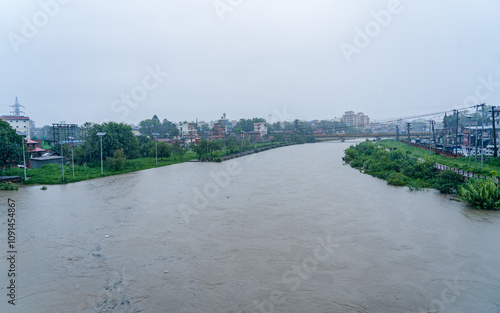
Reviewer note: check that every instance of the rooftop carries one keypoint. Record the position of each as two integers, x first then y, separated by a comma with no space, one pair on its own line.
12,117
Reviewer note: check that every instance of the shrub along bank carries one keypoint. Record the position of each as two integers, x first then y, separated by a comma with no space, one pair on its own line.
403,168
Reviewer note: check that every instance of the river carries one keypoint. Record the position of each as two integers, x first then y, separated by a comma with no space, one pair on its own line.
286,230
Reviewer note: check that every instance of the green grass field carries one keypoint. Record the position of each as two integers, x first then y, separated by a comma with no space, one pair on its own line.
491,167
52,173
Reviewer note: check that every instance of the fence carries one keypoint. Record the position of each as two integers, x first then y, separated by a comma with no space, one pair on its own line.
441,167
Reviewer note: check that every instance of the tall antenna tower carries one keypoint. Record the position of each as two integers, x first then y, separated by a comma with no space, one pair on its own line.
17,108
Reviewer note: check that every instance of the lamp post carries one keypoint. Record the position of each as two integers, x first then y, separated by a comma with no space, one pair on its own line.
62,160
72,159
24,154
155,136
100,135
468,138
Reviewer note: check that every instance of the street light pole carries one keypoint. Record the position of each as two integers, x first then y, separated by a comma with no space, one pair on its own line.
102,169
72,158
100,135
482,132
475,155
62,161
468,139
24,156
155,135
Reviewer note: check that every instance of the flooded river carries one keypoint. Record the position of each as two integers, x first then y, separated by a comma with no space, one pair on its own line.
287,230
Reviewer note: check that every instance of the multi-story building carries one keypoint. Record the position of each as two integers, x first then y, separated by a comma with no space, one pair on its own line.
188,133
20,124
183,129
222,128
357,120
17,121
261,128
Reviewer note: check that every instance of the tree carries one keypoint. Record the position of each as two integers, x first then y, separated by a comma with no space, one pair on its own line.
179,150
11,150
201,148
118,136
246,125
118,161
144,145
150,126
163,149
169,128
166,129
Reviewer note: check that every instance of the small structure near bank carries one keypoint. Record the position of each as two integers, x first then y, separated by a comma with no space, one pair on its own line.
50,159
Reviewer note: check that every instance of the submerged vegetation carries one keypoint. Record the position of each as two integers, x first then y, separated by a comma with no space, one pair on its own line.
482,194
403,168
8,186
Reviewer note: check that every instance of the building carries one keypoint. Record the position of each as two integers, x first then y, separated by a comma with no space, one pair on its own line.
261,128
357,120
187,129
20,124
222,128
49,159
188,133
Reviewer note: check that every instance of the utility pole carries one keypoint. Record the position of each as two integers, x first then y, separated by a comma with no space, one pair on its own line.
397,133
482,132
495,150
475,156
430,139
445,132
456,133
62,161
434,136
468,139
408,126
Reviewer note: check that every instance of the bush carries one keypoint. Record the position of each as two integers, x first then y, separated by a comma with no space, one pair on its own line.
118,161
397,179
481,194
8,186
448,181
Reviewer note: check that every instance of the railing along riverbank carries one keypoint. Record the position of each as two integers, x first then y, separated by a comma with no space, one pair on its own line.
468,174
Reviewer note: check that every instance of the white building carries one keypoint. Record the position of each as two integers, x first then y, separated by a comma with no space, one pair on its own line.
261,128
186,129
21,124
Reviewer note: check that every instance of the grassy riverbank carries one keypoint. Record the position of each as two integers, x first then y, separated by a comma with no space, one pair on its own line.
415,169
52,173
491,166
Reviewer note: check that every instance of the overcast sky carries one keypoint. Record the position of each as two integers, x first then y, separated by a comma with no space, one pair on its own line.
79,61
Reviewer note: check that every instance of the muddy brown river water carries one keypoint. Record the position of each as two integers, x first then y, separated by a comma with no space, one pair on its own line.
287,230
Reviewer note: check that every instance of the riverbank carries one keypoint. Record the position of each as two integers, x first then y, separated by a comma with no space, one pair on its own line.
491,166
244,153
400,167
52,174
